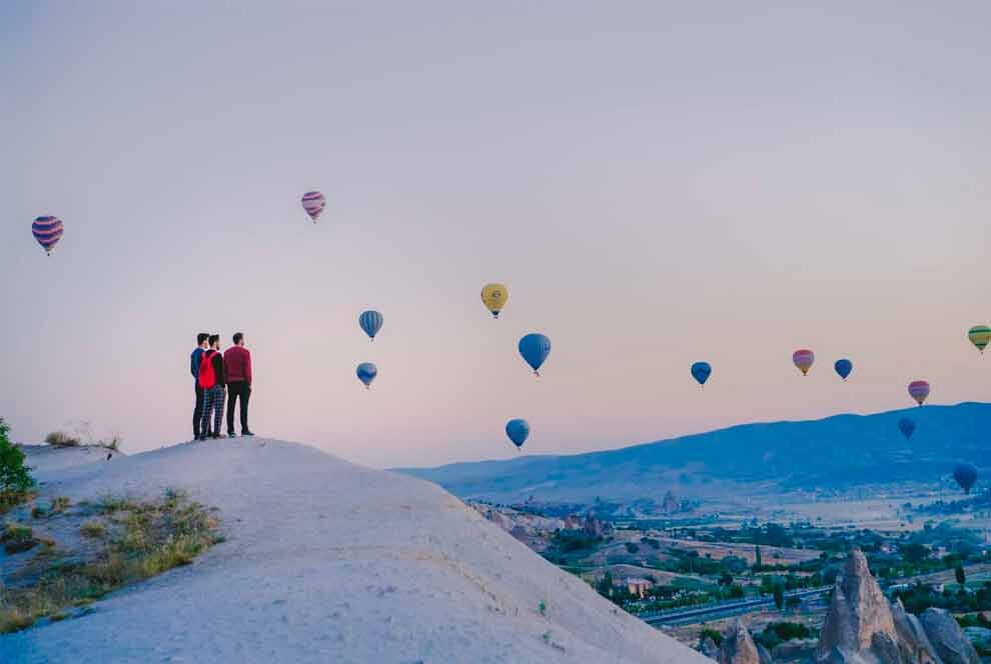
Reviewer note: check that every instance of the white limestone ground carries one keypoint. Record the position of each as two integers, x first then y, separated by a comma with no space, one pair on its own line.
326,561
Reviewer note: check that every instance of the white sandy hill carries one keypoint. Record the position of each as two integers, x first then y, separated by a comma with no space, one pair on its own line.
326,561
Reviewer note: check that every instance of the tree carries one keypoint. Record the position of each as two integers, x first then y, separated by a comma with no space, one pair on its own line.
726,579
914,552
15,480
757,561
960,574
779,596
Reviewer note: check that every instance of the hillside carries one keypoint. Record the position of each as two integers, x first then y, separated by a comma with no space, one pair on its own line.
838,451
326,561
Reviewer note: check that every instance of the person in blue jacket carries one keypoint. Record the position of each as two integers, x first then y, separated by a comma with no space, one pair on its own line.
195,359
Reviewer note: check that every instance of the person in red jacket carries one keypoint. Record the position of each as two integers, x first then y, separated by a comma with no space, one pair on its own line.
237,370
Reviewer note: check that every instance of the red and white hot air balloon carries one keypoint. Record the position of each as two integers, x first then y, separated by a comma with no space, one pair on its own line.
313,202
47,231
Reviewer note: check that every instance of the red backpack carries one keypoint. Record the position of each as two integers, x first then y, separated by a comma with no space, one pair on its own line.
207,377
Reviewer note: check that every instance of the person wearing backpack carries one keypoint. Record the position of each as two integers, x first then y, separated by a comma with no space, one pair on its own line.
211,379
195,359
237,371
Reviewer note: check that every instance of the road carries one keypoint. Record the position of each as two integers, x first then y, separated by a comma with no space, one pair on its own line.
715,610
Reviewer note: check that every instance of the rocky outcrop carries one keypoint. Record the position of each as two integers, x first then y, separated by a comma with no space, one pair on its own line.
859,625
670,504
862,627
912,634
738,646
950,642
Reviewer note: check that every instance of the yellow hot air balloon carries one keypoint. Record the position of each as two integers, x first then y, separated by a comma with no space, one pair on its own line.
980,335
494,297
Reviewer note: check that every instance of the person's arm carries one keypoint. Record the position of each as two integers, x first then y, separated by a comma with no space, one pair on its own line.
247,366
194,367
218,367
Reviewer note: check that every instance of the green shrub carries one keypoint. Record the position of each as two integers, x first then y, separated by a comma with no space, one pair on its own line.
715,635
15,480
17,537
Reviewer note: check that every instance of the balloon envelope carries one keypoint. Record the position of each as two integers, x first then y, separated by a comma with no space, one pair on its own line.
803,359
494,297
535,348
518,430
367,372
918,390
313,202
701,372
966,475
371,322
907,427
843,368
980,335
47,231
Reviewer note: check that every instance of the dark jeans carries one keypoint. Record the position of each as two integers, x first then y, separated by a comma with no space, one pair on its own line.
234,390
197,410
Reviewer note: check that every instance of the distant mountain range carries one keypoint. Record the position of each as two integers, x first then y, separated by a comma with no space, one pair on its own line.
835,452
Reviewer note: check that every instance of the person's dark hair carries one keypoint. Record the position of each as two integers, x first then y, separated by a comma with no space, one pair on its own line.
201,337
214,338
237,337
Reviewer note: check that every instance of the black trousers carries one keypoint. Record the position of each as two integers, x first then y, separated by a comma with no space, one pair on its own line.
242,390
197,410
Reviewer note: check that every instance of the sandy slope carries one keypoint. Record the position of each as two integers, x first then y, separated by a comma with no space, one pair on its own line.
330,562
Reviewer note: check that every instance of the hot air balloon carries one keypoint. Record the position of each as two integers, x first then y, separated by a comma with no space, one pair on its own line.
518,430
313,202
918,390
843,368
366,373
47,231
494,297
701,372
803,359
966,475
980,335
907,427
535,348
371,322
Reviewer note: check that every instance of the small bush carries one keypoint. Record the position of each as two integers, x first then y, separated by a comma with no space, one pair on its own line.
715,635
17,537
632,548
37,512
60,503
62,439
93,529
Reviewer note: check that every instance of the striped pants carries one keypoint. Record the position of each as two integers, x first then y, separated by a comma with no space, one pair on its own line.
213,402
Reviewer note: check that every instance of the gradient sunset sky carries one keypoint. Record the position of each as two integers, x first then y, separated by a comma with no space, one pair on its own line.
656,182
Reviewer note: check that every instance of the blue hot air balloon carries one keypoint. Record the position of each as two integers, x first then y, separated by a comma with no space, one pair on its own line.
535,348
907,427
371,322
518,430
366,373
843,367
701,372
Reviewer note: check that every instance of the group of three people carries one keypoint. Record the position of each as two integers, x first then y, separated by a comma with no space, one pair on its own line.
214,373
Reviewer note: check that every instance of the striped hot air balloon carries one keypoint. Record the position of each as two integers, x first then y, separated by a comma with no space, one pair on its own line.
918,390
980,335
371,322
47,231
313,203
803,359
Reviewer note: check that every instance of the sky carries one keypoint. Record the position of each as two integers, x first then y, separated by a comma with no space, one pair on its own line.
655,182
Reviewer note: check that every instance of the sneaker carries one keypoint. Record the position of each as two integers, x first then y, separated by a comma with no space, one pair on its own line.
231,434
201,438
247,433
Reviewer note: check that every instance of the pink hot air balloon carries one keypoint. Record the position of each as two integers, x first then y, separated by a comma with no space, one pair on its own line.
918,390
803,359
313,203
47,231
